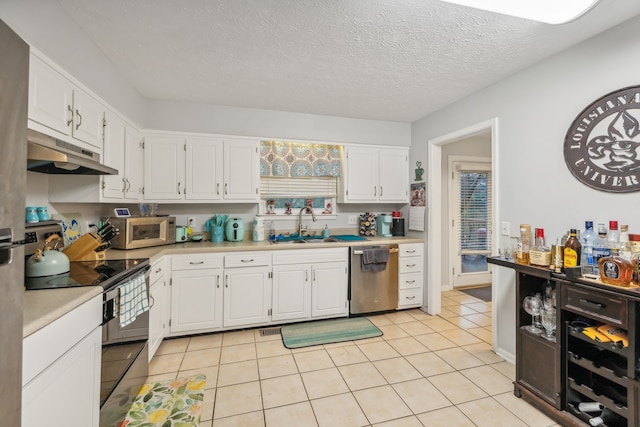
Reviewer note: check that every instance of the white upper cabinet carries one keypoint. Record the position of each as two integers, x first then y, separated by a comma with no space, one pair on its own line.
241,170
199,168
62,109
373,174
122,151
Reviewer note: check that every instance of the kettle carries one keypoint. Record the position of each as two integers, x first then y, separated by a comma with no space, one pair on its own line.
47,261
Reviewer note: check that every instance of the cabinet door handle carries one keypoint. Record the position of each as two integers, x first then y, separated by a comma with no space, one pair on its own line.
226,187
375,191
158,270
306,275
218,281
591,304
79,119
314,275
196,262
179,188
124,185
153,302
70,119
128,184
217,188
226,281
381,191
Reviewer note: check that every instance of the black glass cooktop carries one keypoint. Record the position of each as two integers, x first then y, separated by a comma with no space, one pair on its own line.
90,273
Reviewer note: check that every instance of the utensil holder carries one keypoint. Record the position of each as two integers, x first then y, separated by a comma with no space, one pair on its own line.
218,234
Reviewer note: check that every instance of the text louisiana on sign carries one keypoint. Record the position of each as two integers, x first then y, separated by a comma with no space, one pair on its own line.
602,146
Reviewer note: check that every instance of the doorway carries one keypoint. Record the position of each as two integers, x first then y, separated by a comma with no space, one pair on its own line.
471,228
437,215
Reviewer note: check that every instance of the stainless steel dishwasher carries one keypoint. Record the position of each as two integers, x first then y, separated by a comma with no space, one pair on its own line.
371,291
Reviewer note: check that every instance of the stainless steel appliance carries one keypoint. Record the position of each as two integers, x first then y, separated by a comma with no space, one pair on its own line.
125,352
371,290
14,80
143,231
47,154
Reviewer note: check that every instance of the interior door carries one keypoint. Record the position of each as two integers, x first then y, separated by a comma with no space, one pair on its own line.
471,221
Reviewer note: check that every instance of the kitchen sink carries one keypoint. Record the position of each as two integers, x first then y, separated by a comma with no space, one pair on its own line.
304,239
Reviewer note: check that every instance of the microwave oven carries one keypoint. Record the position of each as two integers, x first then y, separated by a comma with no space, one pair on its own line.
143,231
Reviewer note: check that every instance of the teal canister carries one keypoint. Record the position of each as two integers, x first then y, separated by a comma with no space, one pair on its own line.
43,213
32,214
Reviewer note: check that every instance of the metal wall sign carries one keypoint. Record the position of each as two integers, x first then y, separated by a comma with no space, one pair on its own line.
602,146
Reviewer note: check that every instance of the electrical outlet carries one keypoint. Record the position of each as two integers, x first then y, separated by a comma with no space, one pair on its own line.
353,219
191,222
505,228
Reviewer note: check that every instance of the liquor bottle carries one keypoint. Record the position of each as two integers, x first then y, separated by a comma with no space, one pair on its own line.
587,239
625,246
615,270
540,254
572,250
590,407
609,418
524,244
613,235
600,247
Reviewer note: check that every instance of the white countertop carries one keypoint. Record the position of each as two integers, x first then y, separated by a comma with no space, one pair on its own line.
42,307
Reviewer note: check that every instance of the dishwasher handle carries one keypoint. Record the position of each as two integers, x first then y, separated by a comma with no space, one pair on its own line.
360,252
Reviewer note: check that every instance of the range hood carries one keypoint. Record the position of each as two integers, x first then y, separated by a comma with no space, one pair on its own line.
47,154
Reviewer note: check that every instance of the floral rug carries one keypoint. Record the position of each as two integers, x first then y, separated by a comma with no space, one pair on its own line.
172,403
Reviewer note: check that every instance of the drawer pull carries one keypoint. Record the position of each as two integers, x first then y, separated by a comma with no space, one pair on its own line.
411,297
247,260
409,281
196,262
411,265
158,270
591,304
412,251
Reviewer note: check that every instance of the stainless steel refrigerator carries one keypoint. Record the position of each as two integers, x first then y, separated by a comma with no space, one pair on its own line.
14,92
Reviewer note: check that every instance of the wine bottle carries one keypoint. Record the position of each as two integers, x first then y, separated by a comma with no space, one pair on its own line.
608,417
590,407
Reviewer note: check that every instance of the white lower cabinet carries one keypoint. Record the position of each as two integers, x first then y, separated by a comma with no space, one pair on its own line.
247,289
410,275
196,293
302,290
61,370
160,301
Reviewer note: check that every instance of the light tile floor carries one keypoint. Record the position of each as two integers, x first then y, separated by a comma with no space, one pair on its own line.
424,371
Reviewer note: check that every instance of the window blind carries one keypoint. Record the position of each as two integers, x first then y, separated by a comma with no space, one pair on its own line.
474,209
280,187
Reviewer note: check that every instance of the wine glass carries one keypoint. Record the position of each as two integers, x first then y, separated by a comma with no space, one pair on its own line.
548,315
533,305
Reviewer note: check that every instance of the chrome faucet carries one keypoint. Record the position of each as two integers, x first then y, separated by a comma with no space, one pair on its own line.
313,216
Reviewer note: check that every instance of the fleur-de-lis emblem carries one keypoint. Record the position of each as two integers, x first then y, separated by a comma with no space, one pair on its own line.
619,150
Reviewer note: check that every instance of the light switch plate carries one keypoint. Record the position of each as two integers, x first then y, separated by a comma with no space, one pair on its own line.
505,228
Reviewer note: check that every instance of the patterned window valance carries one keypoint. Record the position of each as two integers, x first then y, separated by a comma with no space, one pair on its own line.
293,159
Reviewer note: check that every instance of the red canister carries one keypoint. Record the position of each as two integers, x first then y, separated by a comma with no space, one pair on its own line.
396,214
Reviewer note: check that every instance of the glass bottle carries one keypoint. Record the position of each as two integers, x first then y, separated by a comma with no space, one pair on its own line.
613,235
540,254
600,247
572,250
587,239
615,270
625,245
524,244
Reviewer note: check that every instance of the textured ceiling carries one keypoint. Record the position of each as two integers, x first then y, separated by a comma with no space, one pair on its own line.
395,60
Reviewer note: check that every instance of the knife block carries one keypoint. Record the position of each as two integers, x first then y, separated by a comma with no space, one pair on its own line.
84,248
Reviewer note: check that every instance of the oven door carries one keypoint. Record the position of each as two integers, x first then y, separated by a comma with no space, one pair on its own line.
125,358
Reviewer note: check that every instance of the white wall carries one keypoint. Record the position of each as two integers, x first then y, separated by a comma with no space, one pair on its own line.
535,108
44,25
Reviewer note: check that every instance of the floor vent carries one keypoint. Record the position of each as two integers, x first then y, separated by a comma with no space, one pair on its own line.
270,331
